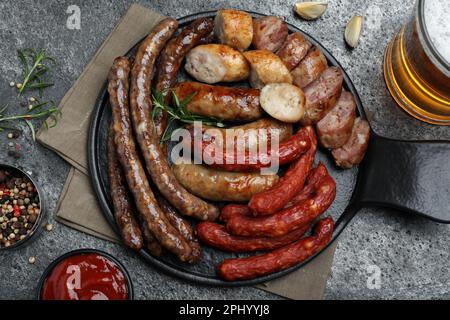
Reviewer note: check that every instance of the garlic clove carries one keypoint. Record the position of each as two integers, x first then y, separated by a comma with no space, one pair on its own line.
311,10
353,31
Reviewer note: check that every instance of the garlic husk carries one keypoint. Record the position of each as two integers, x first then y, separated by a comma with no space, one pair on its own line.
311,10
353,31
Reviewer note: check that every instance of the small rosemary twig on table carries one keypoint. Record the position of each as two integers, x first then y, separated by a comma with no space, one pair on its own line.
36,112
35,70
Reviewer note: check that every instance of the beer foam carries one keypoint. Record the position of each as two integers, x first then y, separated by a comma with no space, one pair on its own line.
437,13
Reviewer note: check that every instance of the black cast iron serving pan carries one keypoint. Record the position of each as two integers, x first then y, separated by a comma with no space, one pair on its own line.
410,176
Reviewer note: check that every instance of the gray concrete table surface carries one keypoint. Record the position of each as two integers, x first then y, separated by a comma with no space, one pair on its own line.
411,253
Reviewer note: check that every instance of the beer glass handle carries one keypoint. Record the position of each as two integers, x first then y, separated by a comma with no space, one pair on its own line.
412,176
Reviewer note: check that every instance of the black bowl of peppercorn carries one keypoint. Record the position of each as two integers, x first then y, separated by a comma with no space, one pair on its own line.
21,207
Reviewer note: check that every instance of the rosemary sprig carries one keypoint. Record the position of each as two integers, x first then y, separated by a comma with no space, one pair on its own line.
36,112
178,112
35,70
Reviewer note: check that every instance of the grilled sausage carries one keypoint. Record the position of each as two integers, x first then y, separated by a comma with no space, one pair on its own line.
127,154
322,95
274,199
141,106
335,128
212,63
266,67
287,219
269,33
251,135
233,209
279,259
294,50
234,28
151,243
310,68
171,58
308,191
221,185
286,152
217,236
353,151
182,226
121,199
230,104
312,181
207,39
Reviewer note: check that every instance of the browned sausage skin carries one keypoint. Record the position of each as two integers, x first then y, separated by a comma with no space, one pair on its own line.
294,50
322,95
207,39
353,151
225,103
122,203
287,219
234,28
233,209
286,152
251,134
212,63
183,227
335,128
217,185
128,156
310,68
312,181
272,200
266,67
308,191
269,33
170,61
279,259
151,243
141,106
216,235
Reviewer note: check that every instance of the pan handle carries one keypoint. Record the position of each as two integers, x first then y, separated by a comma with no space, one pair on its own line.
412,176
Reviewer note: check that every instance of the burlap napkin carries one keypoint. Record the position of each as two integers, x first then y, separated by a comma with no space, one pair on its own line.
78,206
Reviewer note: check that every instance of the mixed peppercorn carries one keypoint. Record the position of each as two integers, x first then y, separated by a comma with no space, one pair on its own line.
19,207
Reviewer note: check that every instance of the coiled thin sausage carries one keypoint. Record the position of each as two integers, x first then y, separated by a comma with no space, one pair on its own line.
217,236
141,106
308,191
286,152
170,61
122,203
183,227
274,199
287,219
280,259
311,184
127,154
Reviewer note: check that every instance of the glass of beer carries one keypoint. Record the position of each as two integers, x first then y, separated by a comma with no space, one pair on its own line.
417,63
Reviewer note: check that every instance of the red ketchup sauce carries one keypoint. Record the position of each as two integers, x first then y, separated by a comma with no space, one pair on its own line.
86,276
